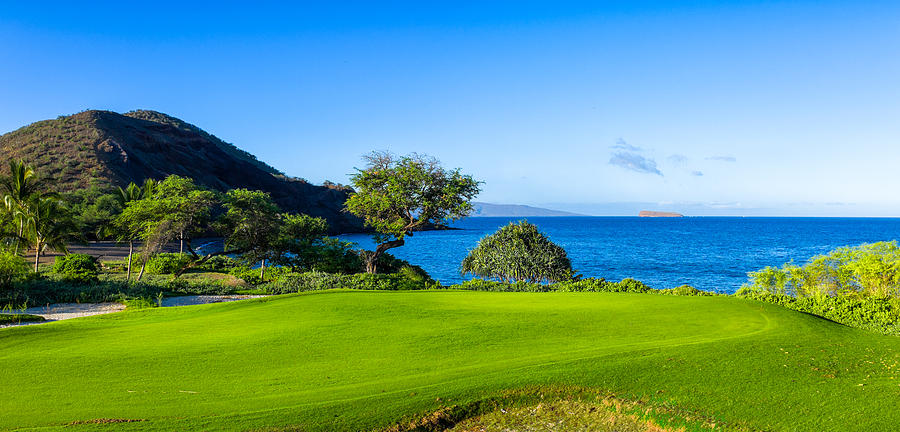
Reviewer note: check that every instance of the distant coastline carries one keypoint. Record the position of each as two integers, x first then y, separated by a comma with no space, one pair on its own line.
482,209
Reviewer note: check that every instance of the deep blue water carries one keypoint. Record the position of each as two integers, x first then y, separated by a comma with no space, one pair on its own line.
710,253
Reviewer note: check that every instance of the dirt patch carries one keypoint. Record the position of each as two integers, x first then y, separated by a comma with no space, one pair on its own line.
562,409
103,421
562,416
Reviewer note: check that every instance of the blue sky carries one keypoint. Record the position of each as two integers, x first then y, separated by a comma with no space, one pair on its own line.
748,108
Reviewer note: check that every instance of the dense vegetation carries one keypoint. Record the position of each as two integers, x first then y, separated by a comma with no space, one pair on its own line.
857,286
149,218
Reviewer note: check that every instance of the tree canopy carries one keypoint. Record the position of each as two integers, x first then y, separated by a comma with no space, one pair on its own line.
518,252
399,195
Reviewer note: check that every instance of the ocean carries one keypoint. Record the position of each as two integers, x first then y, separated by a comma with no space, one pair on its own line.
709,253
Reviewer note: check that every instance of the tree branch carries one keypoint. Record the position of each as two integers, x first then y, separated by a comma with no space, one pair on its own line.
205,258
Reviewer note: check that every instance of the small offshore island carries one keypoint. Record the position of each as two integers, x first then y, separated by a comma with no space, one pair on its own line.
649,213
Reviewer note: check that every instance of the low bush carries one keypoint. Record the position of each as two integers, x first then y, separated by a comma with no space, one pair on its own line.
494,286
409,279
57,290
13,268
141,302
251,275
581,285
77,268
19,318
685,290
167,263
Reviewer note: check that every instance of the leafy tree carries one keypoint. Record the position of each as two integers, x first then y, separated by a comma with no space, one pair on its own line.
187,210
399,195
128,228
253,223
518,252
300,240
47,224
333,255
168,210
94,209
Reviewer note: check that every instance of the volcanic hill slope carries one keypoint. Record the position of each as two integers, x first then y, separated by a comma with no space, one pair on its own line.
107,148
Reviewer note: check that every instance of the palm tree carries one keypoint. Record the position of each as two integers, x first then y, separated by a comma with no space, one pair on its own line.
131,193
47,224
19,187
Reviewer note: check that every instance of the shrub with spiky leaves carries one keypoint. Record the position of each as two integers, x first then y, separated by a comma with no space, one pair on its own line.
518,252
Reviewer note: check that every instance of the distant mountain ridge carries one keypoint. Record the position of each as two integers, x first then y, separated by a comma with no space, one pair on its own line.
108,148
482,209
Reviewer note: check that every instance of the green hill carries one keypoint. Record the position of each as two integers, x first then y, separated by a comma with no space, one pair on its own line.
362,360
107,148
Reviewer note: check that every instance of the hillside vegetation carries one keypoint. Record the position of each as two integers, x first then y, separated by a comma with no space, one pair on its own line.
354,360
108,149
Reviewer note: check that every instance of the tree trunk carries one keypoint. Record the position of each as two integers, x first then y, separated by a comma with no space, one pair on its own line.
37,256
262,271
141,274
130,254
372,260
19,238
181,242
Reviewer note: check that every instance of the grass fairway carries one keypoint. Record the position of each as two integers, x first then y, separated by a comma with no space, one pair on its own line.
351,360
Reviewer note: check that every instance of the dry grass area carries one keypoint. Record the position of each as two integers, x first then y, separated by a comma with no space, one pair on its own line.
607,415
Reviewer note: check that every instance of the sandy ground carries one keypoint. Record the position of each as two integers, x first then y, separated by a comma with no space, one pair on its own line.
63,311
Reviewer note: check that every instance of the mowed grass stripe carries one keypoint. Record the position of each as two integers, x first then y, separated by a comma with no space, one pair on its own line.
356,360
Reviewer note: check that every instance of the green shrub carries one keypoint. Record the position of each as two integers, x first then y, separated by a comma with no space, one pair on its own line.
80,268
317,281
518,252
250,275
872,269
581,285
685,290
13,268
167,263
19,318
140,303
495,286
220,263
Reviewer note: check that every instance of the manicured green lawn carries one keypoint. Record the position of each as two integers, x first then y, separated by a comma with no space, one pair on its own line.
351,360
